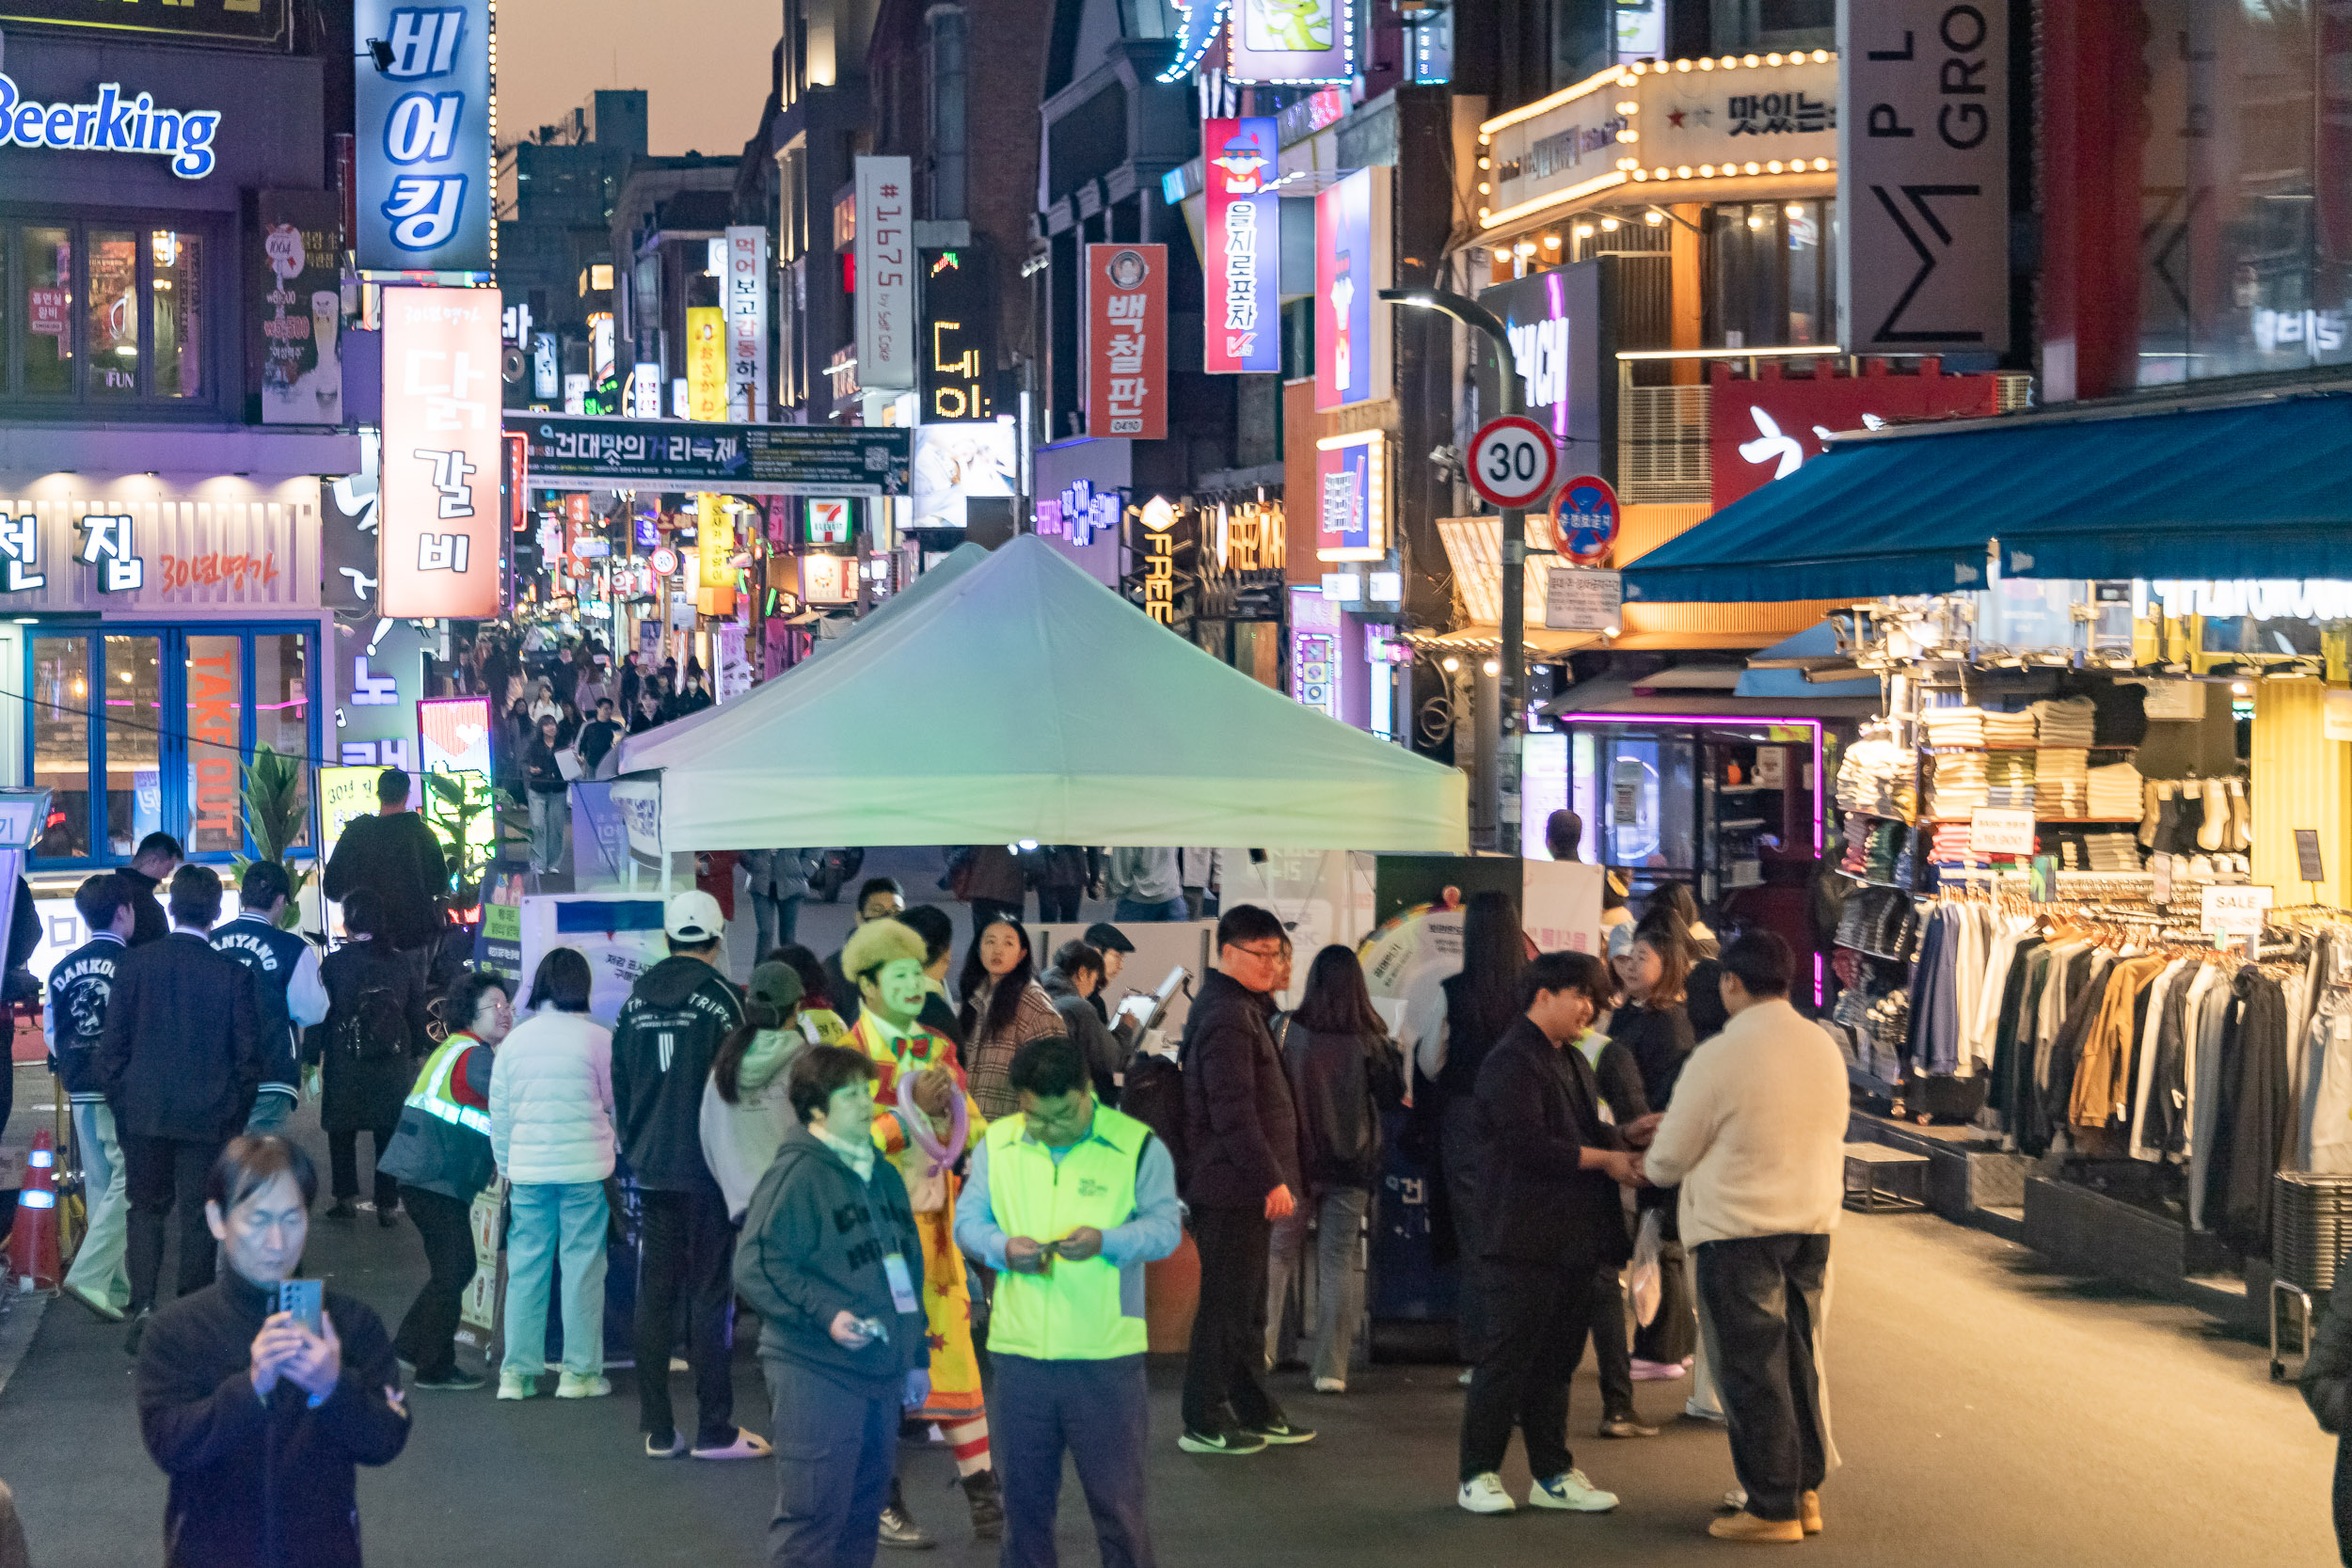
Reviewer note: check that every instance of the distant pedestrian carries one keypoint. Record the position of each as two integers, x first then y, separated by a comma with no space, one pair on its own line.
288,994
1241,1137
666,1037
818,1018
1563,836
152,864
597,738
779,885
181,1060
1068,1201
993,883
81,986
551,1134
1549,1169
1072,982
1344,1077
938,931
1149,885
261,1423
1004,1009
1653,1024
747,1105
550,795
1756,1136
440,1154
830,1261
397,858
1065,871
367,1052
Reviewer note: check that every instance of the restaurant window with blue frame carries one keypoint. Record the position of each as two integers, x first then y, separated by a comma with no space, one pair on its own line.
138,729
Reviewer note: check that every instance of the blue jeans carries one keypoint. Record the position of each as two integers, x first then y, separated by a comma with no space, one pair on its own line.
1097,1413
1137,909
776,921
546,1218
99,1267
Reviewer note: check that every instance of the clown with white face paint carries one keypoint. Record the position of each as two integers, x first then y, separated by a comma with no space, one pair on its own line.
930,1118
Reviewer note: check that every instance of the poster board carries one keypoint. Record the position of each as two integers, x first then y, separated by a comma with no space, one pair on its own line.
619,934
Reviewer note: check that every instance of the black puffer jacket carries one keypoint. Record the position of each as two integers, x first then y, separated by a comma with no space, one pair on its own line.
1342,1085
1241,1126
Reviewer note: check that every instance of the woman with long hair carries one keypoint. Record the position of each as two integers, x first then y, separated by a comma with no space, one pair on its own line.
1004,1009
1675,898
1481,1005
1652,1025
1345,1075
551,1128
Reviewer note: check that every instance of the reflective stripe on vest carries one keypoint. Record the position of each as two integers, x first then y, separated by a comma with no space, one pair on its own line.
432,1095
1076,1311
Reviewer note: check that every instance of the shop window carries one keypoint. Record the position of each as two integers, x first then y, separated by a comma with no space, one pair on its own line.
1772,274
109,313
215,727
282,697
60,723
130,684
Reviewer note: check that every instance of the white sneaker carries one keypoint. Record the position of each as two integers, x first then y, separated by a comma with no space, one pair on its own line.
1573,1491
1700,1413
571,1386
514,1386
1484,1495
1330,1385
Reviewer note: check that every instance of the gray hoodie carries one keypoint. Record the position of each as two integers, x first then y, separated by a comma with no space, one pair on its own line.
809,1250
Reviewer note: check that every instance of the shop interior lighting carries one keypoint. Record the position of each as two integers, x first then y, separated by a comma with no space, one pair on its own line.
2240,689
1653,217
1551,242
1450,665
1584,231
1492,666
1524,247
1608,226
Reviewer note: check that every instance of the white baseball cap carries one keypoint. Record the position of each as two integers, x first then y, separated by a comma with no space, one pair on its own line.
693,917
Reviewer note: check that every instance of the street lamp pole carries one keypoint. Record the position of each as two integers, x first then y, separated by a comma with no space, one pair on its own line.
1513,683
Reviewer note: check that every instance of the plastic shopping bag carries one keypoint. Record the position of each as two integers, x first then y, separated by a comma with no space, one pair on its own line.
1642,1275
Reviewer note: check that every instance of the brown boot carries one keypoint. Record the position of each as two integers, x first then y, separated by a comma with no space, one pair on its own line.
1745,1525
988,1507
1809,1512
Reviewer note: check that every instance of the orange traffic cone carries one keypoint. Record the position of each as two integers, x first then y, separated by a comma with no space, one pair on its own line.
33,1246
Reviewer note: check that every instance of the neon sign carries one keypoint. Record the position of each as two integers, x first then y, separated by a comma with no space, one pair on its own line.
112,124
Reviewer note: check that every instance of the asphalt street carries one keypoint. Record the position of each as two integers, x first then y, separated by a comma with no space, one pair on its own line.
1988,1412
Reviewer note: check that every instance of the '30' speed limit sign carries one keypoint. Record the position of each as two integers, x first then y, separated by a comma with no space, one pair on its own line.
1512,462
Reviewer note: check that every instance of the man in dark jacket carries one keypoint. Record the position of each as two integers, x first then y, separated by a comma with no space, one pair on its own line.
1549,1169
181,1061
831,1259
397,855
1074,981
260,1423
151,864
668,1031
288,994
1241,1138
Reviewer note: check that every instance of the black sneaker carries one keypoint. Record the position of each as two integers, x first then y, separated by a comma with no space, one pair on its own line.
899,1531
139,1330
1280,1433
449,1382
343,1209
1221,1442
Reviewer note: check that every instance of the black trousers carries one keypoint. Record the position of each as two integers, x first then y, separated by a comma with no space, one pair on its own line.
2343,1501
160,1174
1533,1319
686,1253
1760,1306
1097,1412
428,1335
1222,1389
343,1157
1459,1135
986,910
1613,1358
1059,903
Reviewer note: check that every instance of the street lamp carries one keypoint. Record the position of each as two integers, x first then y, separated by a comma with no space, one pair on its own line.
1499,789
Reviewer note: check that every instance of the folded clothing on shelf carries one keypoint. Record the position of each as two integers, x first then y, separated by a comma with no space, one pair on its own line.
1952,726
2117,791
1876,777
2009,729
2008,778
2066,721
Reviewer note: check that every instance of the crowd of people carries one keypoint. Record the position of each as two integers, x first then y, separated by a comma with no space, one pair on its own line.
882,1167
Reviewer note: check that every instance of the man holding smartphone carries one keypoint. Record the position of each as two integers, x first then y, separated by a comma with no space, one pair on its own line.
831,1259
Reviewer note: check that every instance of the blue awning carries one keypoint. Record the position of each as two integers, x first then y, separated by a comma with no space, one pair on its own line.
2254,489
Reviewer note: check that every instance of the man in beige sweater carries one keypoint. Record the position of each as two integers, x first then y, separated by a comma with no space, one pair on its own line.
1756,1138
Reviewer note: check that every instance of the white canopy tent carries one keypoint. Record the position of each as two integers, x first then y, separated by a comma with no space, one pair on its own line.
1022,700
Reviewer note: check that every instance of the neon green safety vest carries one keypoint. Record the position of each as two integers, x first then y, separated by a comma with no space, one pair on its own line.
432,1095
1073,1311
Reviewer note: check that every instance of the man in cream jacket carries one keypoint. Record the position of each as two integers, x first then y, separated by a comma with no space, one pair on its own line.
1756,1138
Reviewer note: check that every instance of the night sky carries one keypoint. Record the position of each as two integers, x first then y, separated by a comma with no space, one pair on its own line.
703,64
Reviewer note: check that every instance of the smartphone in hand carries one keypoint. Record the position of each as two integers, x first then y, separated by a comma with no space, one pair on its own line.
306,1299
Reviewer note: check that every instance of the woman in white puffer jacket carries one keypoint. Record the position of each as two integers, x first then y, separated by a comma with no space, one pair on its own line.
551,1134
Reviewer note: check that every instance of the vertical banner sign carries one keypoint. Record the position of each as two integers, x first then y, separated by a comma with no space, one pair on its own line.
438,509
1344,292
301,306
705,363
1923,171
1244,235
886,339
747,325
423,104
1127,340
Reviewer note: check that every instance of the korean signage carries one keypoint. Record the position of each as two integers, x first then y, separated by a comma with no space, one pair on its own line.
226,21
1351,497
705,363
570,452
828,521
301,306
959,335
112,121
1351,328
1766,429
1562,347
886,339
1923,163
438,508
1126,390
423,116
142,543
1289,40
746,284
1583,599
1244,239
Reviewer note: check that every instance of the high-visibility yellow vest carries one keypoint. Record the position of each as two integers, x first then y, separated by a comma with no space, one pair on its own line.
432,1095
1073,1311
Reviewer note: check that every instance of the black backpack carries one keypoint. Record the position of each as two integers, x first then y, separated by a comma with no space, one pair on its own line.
1152,1092
375,1029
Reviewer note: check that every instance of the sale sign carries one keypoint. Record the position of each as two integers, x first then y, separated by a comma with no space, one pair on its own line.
1244,240
1127,340
1767,428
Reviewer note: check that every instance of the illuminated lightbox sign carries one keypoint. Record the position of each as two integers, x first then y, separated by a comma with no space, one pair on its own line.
112,124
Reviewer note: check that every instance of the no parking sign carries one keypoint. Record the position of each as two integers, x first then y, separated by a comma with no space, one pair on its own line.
1584,519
